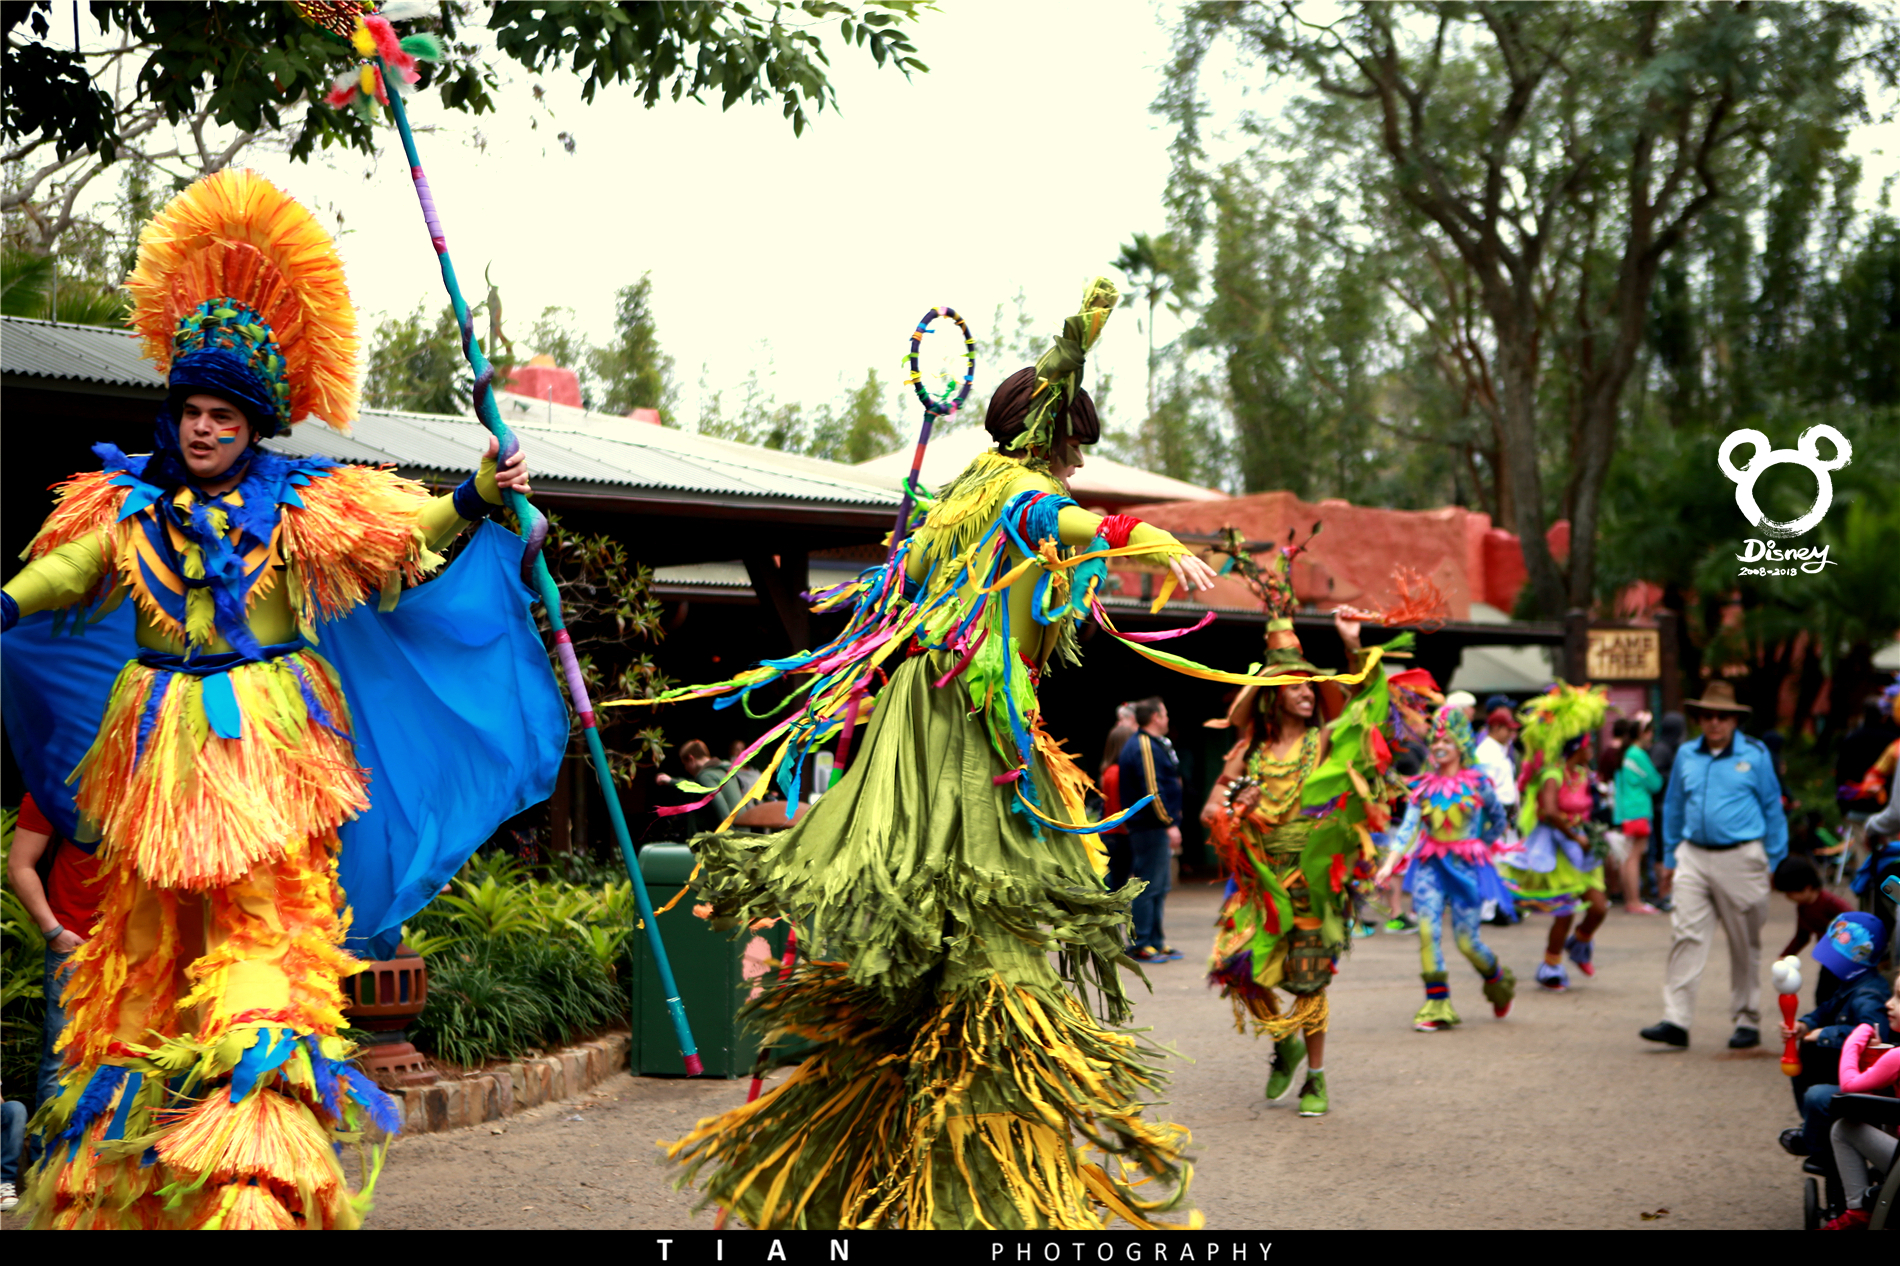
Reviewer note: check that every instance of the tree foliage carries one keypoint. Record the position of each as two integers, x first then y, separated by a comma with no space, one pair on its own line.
416,365
633,371
250,65
1517,176
854,428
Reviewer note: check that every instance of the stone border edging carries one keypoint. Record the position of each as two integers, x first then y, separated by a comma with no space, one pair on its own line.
501,1092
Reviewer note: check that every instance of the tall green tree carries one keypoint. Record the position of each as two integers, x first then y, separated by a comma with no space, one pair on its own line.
1156,269
416,365
1558,156
865,428
254,63
633,372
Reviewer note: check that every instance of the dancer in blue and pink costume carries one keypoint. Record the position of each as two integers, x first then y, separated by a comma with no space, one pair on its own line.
1444,849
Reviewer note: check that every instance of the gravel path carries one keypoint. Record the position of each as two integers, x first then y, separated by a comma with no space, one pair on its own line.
1556,1117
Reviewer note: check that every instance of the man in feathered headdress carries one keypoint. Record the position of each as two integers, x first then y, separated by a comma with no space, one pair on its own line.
205,1081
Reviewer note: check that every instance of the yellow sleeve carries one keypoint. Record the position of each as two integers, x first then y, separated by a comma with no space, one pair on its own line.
1078,528
61,576
439,521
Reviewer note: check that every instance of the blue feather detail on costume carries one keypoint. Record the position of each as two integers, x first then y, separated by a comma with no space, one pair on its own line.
92,1102
266,1055
313,707
219,700
323,1071
381,1108
116,1130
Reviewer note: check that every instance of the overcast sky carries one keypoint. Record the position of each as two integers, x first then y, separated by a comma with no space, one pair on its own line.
1022,160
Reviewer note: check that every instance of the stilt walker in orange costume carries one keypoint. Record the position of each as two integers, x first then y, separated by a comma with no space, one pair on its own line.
205,1082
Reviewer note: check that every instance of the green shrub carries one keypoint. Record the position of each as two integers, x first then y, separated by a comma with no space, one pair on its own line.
22,970
517,963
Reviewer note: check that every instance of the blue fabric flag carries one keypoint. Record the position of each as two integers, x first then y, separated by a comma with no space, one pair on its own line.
456,714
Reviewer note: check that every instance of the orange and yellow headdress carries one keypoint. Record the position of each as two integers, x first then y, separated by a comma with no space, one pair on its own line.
239,292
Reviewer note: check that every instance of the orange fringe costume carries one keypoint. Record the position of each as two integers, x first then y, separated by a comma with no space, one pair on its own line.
205,1083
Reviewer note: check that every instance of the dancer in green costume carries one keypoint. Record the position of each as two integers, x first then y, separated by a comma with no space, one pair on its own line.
953,1068
1288,815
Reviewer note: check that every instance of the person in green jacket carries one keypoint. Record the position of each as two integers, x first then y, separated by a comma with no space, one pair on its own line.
1636,783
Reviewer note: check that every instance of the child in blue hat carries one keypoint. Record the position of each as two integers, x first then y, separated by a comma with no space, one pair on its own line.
1851,947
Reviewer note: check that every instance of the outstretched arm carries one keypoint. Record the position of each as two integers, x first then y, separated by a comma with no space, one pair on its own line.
1079,528
58,578
1235,765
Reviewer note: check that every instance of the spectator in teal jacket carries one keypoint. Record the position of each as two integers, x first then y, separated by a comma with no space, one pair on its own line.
1636,785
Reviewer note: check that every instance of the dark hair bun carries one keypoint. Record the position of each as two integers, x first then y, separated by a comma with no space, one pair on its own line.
1009,411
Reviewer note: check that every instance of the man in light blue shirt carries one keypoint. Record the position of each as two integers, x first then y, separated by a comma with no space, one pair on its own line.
1723,835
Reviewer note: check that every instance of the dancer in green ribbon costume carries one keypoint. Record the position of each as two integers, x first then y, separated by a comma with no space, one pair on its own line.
954,1068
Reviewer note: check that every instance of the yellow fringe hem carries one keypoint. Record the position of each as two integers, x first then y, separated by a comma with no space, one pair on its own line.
1309,1015
961,1115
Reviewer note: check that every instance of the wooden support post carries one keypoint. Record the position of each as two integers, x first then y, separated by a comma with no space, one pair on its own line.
1668,629
781,581
1576,646
560,839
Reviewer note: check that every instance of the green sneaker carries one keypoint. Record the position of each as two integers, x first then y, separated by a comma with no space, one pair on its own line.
1287,1058
1313,1102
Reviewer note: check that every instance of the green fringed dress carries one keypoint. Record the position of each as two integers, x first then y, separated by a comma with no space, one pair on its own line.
955,1077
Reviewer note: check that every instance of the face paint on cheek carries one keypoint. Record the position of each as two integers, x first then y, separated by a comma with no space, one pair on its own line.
228,433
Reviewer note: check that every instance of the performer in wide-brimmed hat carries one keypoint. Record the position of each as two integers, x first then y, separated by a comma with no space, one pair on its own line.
1288,817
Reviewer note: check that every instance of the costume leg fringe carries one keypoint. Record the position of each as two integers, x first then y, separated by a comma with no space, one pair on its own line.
1261,1008
237,1125
962,1111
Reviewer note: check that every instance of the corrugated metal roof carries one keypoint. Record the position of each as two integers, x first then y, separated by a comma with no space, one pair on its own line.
86,353
640,455
568,449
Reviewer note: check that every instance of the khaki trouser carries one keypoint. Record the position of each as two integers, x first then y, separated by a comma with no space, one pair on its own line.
1730,885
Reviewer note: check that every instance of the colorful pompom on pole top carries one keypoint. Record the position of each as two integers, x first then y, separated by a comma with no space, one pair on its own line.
377,47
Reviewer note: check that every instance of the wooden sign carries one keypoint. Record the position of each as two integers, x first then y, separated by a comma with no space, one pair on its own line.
1624,655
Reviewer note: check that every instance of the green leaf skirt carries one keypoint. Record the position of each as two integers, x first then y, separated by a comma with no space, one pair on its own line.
955,1077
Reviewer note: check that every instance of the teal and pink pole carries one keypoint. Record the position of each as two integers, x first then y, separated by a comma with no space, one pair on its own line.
534,573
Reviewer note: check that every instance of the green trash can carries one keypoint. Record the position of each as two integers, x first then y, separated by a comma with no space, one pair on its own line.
715,970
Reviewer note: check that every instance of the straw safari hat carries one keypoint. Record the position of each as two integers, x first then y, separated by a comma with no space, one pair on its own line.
1717,696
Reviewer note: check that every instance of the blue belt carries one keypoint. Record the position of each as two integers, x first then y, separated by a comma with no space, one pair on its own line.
216,695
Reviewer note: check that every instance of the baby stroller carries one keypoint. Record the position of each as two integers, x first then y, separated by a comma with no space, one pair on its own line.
1824,1197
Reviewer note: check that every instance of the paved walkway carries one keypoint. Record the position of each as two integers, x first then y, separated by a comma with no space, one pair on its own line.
1557,1117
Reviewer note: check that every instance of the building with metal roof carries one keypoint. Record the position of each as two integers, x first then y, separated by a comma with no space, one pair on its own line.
671,495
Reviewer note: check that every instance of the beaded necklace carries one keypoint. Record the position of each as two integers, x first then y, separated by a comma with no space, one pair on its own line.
1288,776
